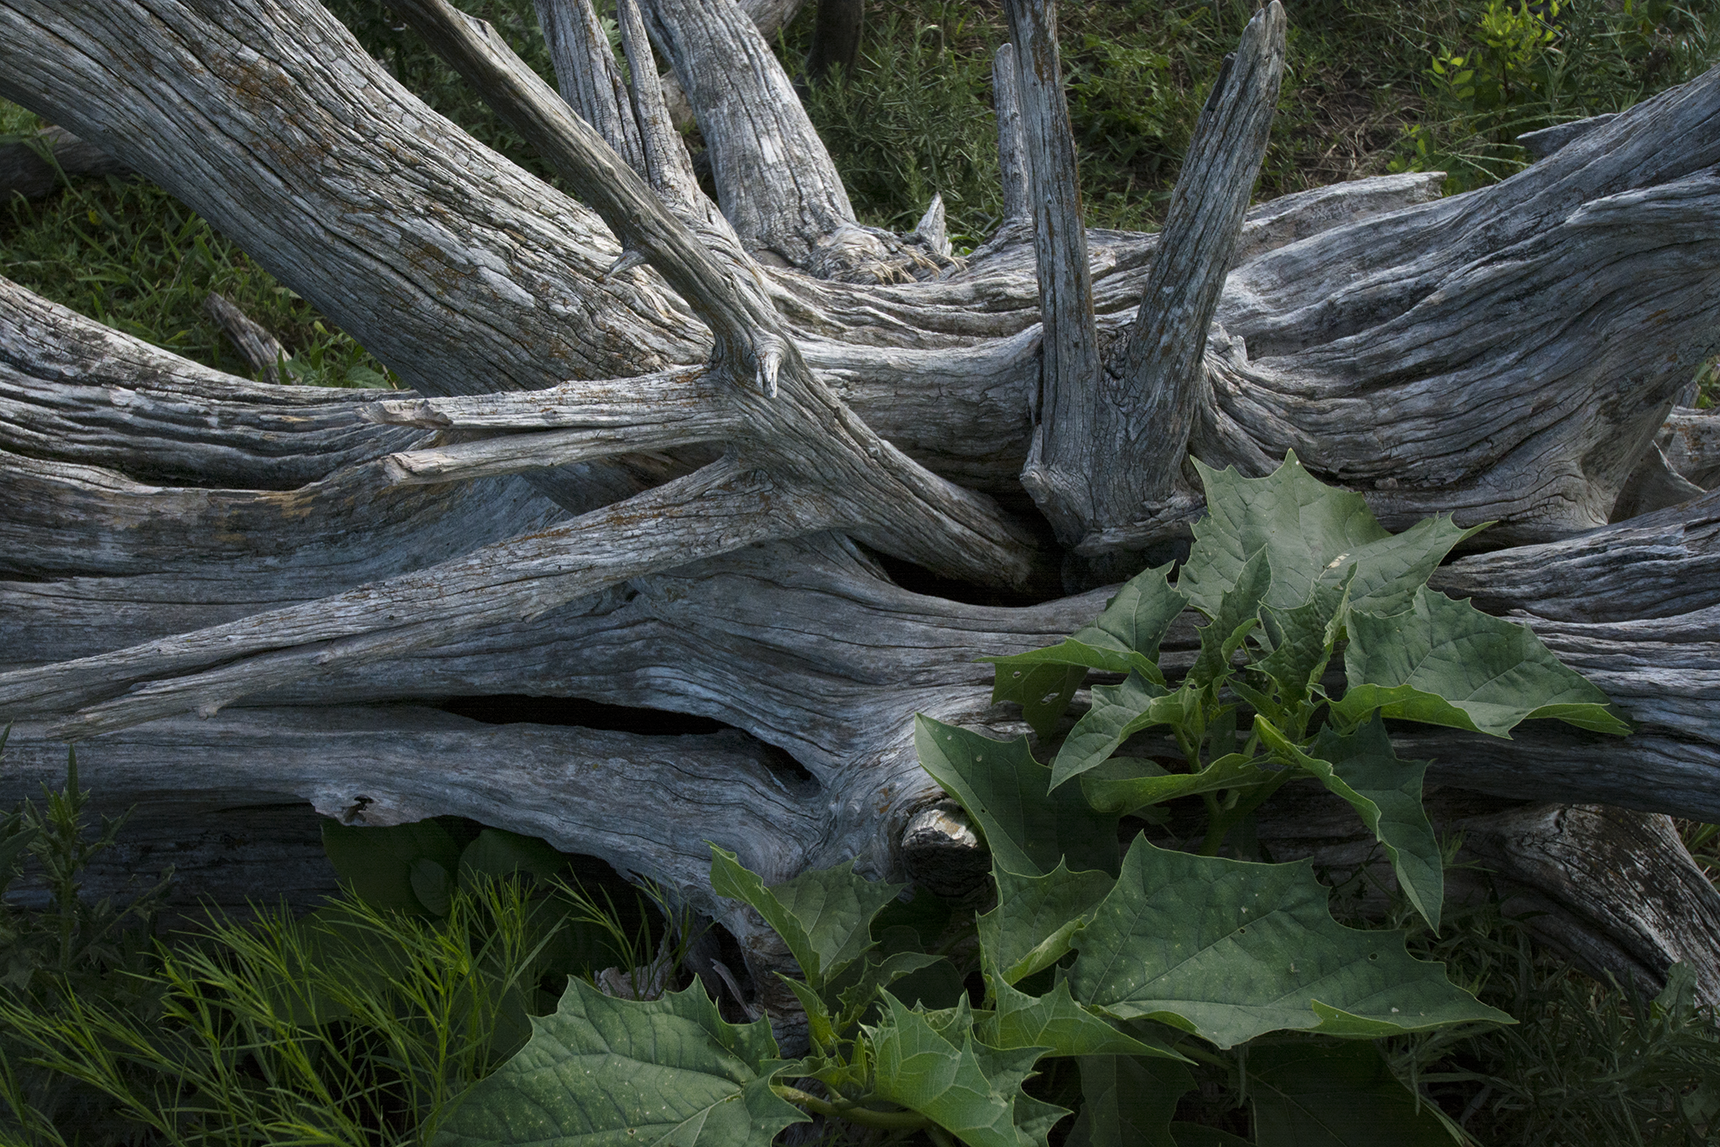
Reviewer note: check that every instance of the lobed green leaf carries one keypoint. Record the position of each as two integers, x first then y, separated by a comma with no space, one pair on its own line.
1230,950
1118,713
1030,927
603,1071
1236,615
1056,1022
1385,790
1005,790
1445,662
971,1090
1311,533
1124,638
1110,791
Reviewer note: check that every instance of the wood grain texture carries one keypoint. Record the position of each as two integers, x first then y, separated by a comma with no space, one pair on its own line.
720,447
1069,345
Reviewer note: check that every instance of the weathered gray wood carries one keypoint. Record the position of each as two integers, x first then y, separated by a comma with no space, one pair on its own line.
1069,346
261,350
24,170
585,72
577,788
1690,442
668,167
775,181
1548,140
1013,171
1149,402
1470,355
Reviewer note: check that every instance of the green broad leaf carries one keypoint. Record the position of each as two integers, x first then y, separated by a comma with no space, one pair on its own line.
1005,791
858,991
497,852
1137,619
377,862
610,1071
1230,950
1386,791
1302,641
1034,1118
1237,614
1057,1022
1035,917
1124,795
1124,638
969,1089
1310,533
1308,1094
1042,683
1445,662
1118,713
1128,1102
824,916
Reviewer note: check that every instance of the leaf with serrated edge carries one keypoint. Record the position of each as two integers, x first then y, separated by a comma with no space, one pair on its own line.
823,915
1128,795
1303,642
1230,950
1445,662
1386,791
1308,1094
1237,614
1128,1102
1310,532
1138,617
1118,713
1124,638
1004,789
969,1089
1056,1021
1035,916
602,1070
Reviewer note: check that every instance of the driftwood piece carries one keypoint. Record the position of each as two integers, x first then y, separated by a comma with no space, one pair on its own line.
585,72
688,534
26,171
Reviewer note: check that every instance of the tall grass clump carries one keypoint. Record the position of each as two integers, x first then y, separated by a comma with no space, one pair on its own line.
353,1024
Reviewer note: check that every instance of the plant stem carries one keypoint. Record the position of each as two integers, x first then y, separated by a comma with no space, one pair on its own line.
853,1112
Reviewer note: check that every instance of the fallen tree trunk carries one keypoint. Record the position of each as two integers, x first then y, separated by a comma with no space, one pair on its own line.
672,457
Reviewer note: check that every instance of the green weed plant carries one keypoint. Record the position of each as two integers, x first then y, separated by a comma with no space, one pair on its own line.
1135,963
